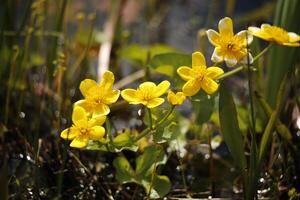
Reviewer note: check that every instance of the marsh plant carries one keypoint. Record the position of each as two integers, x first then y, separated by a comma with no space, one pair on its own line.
172,105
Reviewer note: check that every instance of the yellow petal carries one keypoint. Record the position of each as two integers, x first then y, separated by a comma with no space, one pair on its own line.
198,59
214,72
185,73
111,97
264,26
213,37
85,85
97,120
130,95
154,102
230,60
293,37
171,96
259,33
97,133
245,36
81,123
217,56
191,87
226,26
78,114
176,99
162,88
209,86
69,134
147,86
101,109
79,142
85,104
295,44
107,81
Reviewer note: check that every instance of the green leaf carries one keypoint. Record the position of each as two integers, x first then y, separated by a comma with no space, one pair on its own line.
135,53
151,155
230,128
143,174
203,105
168,63
243,118
160,187
124,172
168,131
120,143
124,141
138,54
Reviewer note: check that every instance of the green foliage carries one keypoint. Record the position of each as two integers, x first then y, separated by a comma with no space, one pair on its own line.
119,143
203,105
230,128
143,173
168,131
167,63
139,55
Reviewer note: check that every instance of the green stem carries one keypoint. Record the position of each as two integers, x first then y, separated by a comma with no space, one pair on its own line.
10,81
262,52
150,118
166,117
230,73
250,87
147,131
108,130
152,177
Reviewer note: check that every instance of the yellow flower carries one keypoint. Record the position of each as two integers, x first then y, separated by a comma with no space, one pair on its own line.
229,47
199,76
147,94
176,99
83,128
275,34
98,96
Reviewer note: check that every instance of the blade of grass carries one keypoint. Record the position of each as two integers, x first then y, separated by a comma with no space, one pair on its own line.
271,123
280,127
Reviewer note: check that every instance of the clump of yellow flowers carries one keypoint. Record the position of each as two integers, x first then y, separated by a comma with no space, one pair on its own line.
90,113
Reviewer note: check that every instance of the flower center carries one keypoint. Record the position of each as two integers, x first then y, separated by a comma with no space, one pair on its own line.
84,131
230,46
232,43
199,73
147,95
98,101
